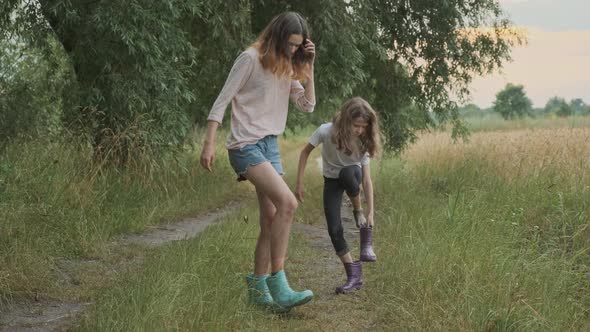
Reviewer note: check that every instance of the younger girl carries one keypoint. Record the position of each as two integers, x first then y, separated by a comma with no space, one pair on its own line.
349,140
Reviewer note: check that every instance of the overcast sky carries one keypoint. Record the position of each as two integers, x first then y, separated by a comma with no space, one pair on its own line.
556,61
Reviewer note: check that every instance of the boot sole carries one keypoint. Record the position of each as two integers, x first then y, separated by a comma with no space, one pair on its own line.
303,301
284,309
368,259
350,290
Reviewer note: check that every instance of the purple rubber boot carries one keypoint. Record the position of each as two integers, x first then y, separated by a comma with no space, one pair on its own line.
367,253
354,273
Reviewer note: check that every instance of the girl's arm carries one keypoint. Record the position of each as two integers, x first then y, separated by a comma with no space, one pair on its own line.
310,86
304,98
301,169
368,189
208,153
238,76
309,48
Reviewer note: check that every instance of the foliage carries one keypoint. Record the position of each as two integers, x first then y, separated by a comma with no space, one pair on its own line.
558,106
219,33
31,82
512,102
578,105
411,59
131,62
144,70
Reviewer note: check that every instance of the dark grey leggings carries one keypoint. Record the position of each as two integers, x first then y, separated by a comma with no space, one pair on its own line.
349,180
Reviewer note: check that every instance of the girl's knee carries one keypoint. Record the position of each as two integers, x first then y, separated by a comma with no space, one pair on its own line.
288,203
268,215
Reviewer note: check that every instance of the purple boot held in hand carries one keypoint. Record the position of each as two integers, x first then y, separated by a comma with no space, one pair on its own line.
367,253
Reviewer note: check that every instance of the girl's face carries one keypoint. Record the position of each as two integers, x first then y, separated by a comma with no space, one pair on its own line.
294,43
359,126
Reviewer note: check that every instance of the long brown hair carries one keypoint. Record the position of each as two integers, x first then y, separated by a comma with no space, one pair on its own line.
369,141
273,46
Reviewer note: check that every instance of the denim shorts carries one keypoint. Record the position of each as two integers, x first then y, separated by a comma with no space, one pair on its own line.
266,149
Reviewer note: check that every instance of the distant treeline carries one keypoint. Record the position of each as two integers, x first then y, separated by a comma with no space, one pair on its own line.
512,103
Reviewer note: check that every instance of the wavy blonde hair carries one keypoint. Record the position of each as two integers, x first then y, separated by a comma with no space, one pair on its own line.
273,46
369,141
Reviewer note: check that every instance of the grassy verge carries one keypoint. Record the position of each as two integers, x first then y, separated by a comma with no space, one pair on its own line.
471,240
195,285
54,206
494,122
486,235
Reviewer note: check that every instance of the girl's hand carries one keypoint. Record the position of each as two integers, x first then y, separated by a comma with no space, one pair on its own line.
309,49
208,156
370,220
299,193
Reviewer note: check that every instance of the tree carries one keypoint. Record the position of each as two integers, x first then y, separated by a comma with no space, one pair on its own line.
413,60
470,110
142,70
512,102
577,105
558,106
31,83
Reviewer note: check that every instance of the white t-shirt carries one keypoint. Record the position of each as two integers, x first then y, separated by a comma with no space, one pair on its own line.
333,160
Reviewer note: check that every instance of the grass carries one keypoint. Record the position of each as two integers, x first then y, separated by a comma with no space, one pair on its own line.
195,285
494,122
486,235
56,206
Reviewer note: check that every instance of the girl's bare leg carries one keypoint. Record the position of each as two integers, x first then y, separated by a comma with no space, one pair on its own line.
270,184
346,258
356,202
262,253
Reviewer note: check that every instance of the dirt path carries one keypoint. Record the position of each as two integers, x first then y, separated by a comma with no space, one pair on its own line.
344,312
52,315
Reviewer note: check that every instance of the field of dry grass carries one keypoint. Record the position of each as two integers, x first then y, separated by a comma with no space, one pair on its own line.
512,154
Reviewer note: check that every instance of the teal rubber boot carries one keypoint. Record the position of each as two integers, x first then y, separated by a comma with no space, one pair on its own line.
258,293
283,295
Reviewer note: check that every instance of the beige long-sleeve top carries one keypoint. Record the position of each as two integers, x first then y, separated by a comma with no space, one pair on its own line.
260,101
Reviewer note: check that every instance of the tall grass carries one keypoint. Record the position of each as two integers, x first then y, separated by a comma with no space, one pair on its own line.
486,235
489,235
55,204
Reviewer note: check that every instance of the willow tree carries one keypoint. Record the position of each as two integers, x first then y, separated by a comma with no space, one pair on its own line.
434,50
137,66
144,71
413,59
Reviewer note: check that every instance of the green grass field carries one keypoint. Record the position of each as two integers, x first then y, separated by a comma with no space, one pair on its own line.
491,234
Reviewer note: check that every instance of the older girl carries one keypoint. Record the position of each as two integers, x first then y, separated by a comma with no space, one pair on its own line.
260,84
